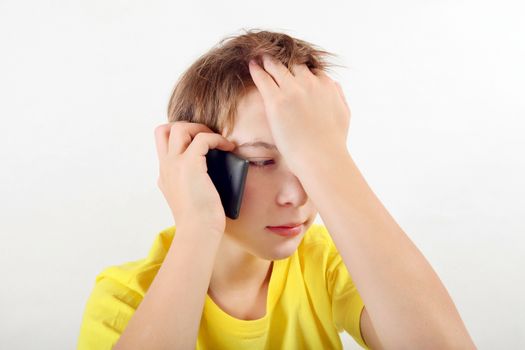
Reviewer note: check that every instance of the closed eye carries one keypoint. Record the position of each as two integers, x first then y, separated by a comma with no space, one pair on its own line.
262,163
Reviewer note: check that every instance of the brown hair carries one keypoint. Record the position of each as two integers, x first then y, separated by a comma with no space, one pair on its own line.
209,90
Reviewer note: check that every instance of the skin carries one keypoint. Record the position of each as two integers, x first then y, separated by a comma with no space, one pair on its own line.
273,196
406,304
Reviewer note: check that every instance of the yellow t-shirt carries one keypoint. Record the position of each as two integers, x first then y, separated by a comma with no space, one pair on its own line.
311,298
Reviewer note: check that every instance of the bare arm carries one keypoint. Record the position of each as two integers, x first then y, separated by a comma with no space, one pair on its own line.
169,315
407,304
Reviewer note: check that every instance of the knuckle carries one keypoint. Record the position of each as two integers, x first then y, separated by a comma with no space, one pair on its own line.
200,137
174,127
311,82
327,81
180,125
159,129
178,131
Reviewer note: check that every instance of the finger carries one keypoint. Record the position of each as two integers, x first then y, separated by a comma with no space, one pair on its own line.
181,135
321,74
300,70
204,141
342,95
277,70
264,82
161,140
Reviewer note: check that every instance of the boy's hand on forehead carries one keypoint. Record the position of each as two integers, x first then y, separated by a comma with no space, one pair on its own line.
307,112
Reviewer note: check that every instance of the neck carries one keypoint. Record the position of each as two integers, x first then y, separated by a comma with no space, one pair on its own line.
236,271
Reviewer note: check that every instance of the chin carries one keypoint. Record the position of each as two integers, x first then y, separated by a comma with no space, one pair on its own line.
281,255
283,250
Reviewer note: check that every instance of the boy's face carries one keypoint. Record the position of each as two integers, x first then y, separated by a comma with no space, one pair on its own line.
273,195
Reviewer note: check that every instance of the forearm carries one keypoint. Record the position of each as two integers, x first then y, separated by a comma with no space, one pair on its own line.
169,315
406,301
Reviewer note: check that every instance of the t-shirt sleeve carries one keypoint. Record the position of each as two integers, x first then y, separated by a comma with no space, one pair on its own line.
347,304
108,310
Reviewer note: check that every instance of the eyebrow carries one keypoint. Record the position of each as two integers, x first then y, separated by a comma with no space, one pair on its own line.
258,144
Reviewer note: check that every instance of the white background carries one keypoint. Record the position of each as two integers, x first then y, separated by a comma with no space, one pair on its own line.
436,90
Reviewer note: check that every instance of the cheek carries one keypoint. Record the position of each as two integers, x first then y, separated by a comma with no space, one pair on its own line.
257,192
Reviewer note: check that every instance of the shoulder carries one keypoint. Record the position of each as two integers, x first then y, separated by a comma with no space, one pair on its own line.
317,239
346,304
137,275
317,252
117,292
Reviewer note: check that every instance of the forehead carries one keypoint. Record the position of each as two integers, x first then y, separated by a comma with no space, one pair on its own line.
251,123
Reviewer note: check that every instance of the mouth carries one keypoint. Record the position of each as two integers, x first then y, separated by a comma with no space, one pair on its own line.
288,230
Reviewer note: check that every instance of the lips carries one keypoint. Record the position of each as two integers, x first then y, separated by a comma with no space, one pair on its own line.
289,225
287,231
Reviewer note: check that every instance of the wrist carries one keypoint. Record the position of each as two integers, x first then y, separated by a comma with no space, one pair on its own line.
327,163
198,231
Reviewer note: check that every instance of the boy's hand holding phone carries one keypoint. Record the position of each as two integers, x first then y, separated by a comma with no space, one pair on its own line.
183,179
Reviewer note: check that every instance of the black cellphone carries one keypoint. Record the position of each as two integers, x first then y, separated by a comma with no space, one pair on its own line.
228,173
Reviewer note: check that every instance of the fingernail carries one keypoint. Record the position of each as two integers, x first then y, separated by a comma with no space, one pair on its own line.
252,62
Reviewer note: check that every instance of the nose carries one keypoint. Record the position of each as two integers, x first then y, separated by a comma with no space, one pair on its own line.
291,191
